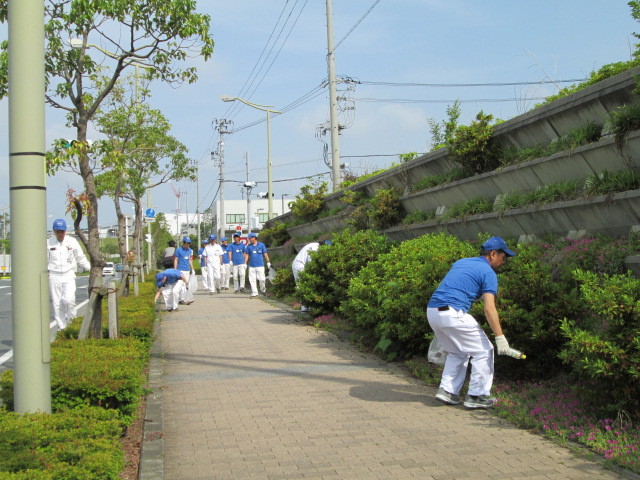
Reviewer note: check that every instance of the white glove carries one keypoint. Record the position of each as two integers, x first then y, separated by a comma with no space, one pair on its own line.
193,272
268,264
502,345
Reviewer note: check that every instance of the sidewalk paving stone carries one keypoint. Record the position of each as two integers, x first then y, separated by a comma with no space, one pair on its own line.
244,390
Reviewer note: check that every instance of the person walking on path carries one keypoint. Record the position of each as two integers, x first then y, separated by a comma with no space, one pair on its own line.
168,255
238,265
169,284
203,265
64,255
213,254
302,258
226,264
183,261
459,333
255,255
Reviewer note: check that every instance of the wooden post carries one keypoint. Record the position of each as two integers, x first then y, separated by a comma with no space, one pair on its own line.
136,272
92,321
113,310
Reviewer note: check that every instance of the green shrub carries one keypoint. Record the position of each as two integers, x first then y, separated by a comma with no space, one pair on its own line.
104,373
275,235
388,296
622,121
324,281
468,208
386,209
604,345
604,72
284,284
80,444
473,146
606,182
457,173
418,216
538,290
309,203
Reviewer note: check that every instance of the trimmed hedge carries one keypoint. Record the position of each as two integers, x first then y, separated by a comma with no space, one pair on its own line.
80,444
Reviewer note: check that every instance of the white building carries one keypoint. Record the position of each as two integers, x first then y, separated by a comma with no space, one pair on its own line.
236,213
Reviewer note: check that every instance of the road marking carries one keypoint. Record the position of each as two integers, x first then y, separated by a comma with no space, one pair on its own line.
7,356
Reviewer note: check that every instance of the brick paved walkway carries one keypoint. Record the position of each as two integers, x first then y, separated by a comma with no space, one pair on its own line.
247,391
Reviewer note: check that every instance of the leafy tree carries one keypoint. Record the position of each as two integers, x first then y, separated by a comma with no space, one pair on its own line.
139,154
309,202
473,146
109,36
441,133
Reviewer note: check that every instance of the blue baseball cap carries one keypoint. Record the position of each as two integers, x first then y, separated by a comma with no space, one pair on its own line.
59,224
159,277
186,240
253,235
497,243
204,242
223,239
326,242
212,237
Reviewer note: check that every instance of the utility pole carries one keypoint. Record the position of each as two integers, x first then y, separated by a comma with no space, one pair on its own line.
27,186
195,164
333,103
222,126
249,185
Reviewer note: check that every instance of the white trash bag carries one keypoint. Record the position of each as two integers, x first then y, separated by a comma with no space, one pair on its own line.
436,354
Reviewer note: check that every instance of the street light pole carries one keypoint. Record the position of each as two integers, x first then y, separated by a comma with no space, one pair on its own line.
268,109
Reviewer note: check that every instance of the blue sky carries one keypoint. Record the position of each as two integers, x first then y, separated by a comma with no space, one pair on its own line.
399,41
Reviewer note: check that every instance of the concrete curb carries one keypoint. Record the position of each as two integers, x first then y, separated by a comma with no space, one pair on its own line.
152,449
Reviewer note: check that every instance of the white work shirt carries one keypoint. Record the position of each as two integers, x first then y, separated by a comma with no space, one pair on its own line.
213,254
304,255
64,257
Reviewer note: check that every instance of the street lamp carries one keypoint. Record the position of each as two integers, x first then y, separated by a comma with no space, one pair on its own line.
268,109
283,195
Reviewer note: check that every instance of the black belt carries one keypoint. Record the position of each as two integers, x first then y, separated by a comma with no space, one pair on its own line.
443,309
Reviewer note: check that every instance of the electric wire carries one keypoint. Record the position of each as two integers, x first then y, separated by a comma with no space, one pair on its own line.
470,100
441,85
354,27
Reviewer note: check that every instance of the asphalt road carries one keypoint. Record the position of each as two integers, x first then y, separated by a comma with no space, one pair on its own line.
6,337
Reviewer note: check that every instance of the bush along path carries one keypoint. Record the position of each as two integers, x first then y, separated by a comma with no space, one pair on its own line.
570,304
97,387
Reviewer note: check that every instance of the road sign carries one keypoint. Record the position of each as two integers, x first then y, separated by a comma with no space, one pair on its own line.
150,213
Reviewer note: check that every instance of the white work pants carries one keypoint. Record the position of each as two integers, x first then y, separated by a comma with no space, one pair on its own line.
63,297
225,275
205,285
213,276
239,276
462,338
256,274
296,269
171,294
185,294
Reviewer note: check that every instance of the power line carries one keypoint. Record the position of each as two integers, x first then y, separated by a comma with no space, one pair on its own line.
354,27
490,84
471,100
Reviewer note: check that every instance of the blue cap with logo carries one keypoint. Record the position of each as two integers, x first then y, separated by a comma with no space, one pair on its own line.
223,239
212,237
253,235
59,224
159,277
497,243
186,240
204,242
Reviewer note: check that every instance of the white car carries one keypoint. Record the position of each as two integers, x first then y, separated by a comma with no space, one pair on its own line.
109,269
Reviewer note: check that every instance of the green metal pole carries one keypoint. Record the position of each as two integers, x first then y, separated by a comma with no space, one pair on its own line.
30,292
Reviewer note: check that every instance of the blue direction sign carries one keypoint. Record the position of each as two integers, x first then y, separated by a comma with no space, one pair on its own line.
150,213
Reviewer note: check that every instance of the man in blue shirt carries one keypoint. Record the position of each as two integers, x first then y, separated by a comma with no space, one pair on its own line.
459,334
169,284
183,261
255,254
226,265
238,267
